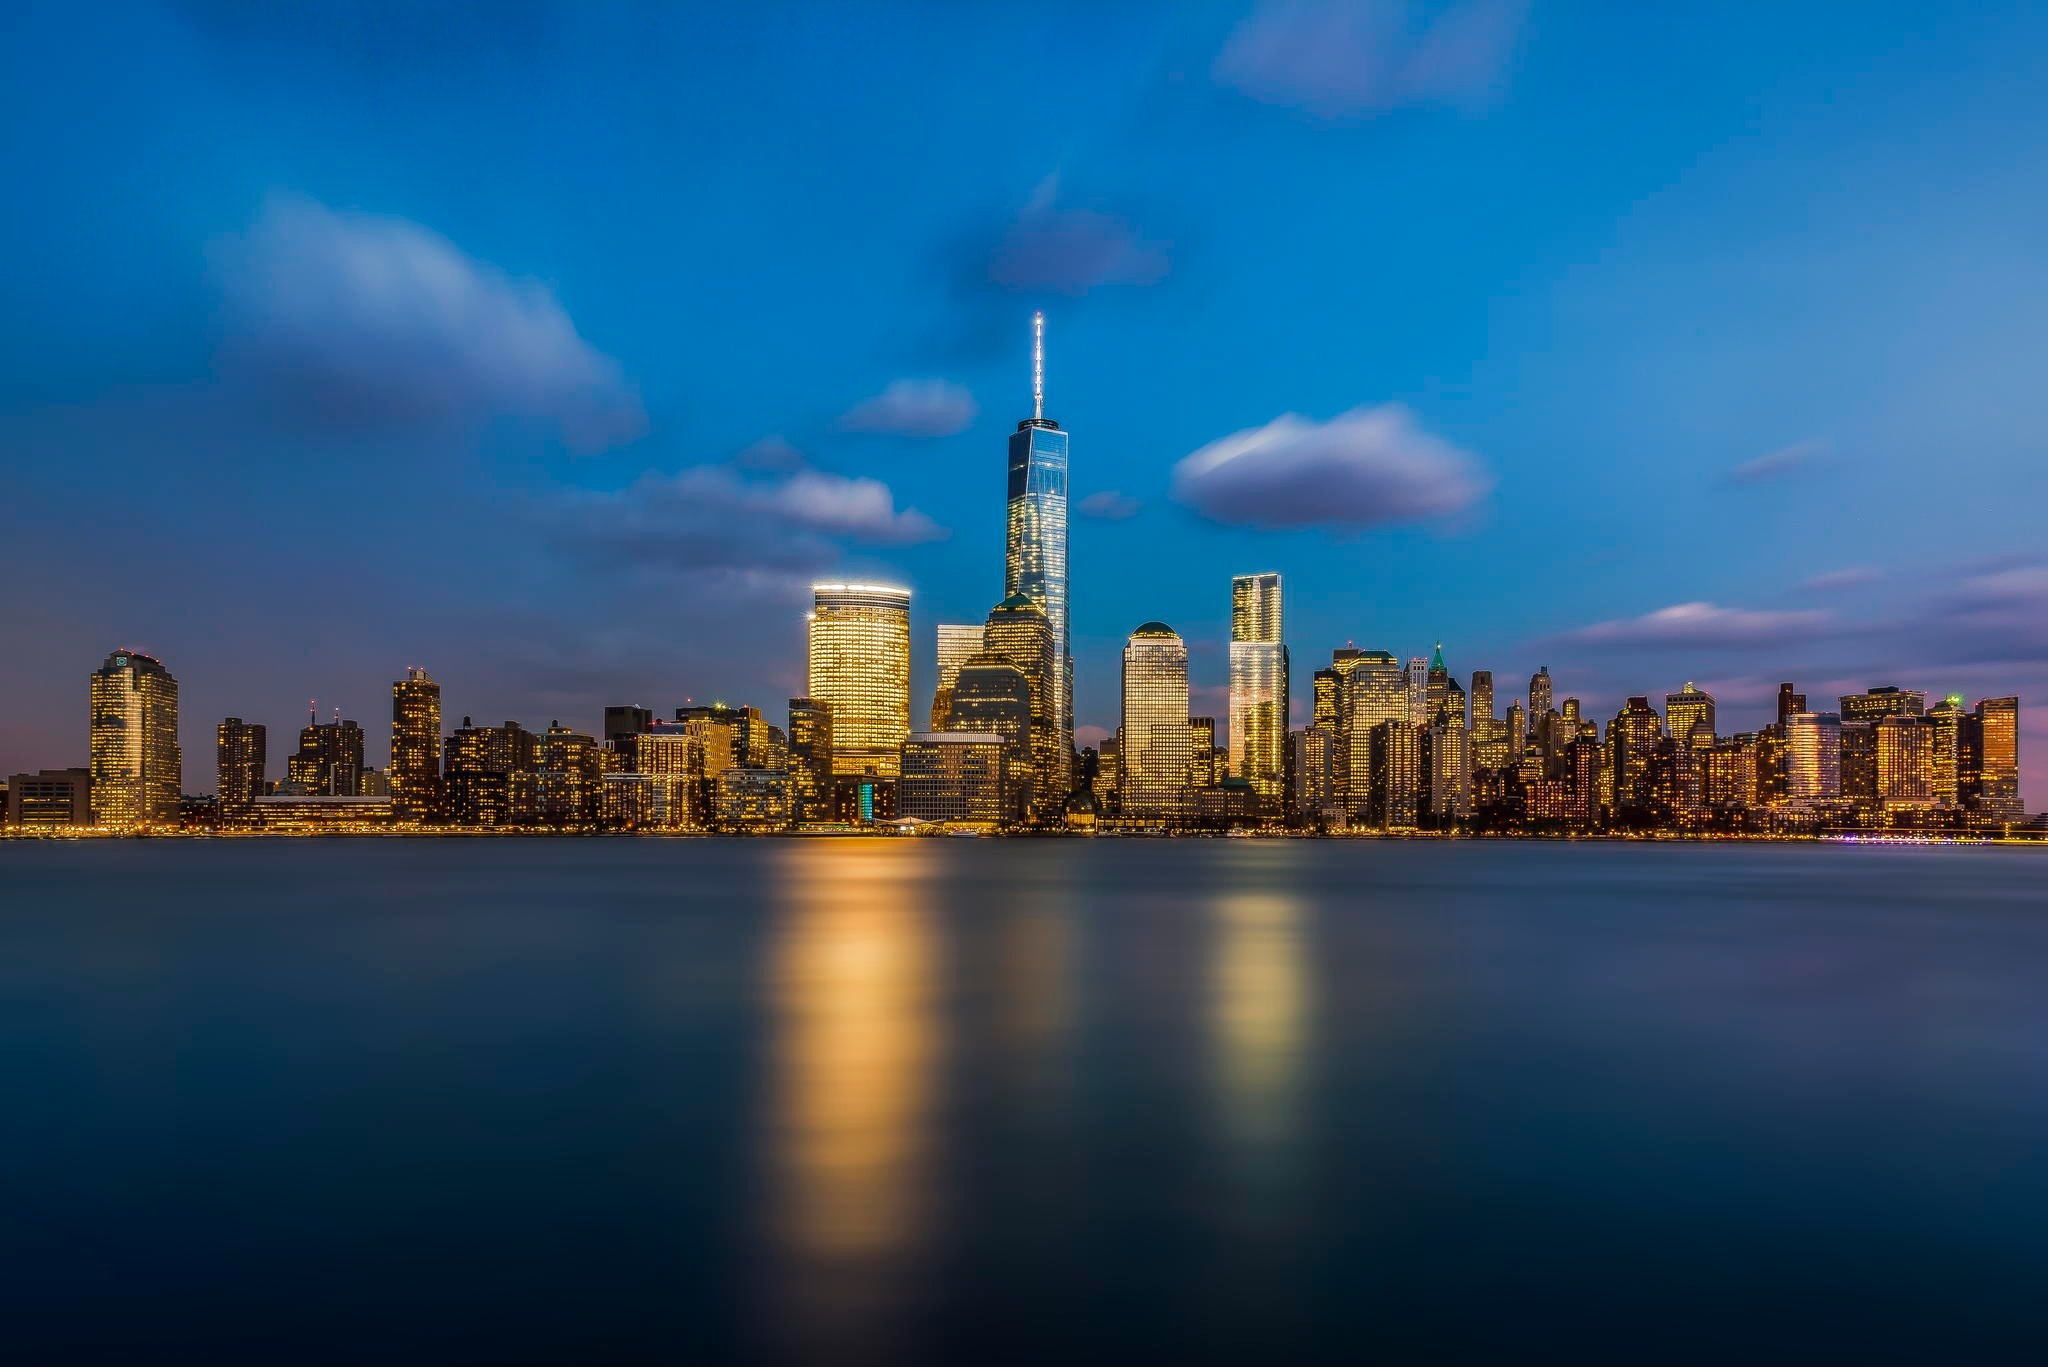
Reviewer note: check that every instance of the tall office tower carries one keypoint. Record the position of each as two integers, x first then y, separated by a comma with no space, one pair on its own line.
1343,661
244,754
1539,692
1905,760
1582,767
1951,745
329,760
1569,710
1687,709
1482,695
1435,683
1035,559
860,668
1728,779
415,767
1450,760
1418,691
1019,631
1394,763
1452,704
1210,766
991,696
622,723
568,777
1156,751
1875,704
957,644
715,731
810,759
1790,702
1995,760
1813,756
1518,731
1327,695
1314,774
1632,736
1258,686
138,770
1376,691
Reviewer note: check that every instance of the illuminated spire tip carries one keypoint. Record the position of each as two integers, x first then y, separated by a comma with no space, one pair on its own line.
1038,364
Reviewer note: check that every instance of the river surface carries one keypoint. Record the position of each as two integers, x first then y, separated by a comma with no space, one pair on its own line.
872,1100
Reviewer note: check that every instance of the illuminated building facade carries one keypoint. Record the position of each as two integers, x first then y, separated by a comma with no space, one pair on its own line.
490,775
570,769
1376,690
1450,766
50,799
1539,693
138,769
1905,760
860,668
1813,757
1314,773
1035,549
1210,764
242,752
1482,696
1436,686
329,760
311,813
671,758
415,767
956,645
1258,685
956,776
1689,717
1157,746
810,759
993,697
752,800
1019,631
1994,787
1418,691
1395,766
1631,738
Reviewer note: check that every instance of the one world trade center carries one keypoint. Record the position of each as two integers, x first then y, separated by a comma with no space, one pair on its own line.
1035,563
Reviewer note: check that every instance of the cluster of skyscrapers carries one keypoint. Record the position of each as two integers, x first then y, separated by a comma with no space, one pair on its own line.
1389,746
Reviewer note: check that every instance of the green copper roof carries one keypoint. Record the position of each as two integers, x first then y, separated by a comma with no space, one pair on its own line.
1438,662
1014,602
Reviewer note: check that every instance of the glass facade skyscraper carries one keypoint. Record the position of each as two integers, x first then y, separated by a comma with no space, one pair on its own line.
1035,552
860,668
137,766
1157,749
1258,685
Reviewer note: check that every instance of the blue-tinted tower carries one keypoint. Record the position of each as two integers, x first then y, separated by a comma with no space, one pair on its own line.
1035,563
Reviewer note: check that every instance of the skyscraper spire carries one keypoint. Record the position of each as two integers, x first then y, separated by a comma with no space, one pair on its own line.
1038,364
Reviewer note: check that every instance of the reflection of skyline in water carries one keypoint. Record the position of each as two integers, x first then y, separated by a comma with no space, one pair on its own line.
854,1067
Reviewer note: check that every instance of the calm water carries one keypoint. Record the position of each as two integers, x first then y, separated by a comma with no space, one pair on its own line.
882,1101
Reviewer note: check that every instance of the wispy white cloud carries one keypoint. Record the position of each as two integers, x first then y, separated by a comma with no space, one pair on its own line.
1786,460
375,321
1364,468
1339,59
913,408
1701,624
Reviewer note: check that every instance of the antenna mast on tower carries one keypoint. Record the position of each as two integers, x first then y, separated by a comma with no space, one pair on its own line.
1038,365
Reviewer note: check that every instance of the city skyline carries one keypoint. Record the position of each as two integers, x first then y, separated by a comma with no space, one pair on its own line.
631,497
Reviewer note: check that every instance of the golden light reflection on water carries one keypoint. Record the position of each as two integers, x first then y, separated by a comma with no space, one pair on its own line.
1259,1004
853,977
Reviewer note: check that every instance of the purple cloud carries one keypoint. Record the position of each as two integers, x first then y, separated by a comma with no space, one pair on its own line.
1338,59
711,519
1700,624
1365,468
1111,505
1781,462
913,408
1848,577
374,321
1053,248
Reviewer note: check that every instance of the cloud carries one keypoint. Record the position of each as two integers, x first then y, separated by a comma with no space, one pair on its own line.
1701,624
369,321
1339,59
771,455
1053,248
1364,468
1092,735
710,519
1111,505
1848,577
913,408
1781,462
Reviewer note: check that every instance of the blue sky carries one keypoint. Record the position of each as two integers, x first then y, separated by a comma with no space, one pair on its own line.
556,348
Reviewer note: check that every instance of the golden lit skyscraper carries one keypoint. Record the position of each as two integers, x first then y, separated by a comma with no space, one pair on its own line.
1995,777
860,669
243,753
1258,685
1376,690
956,645
1539,693
415,768
1035,552
1020,632
1157,751
137,768
1813,756
1687,709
